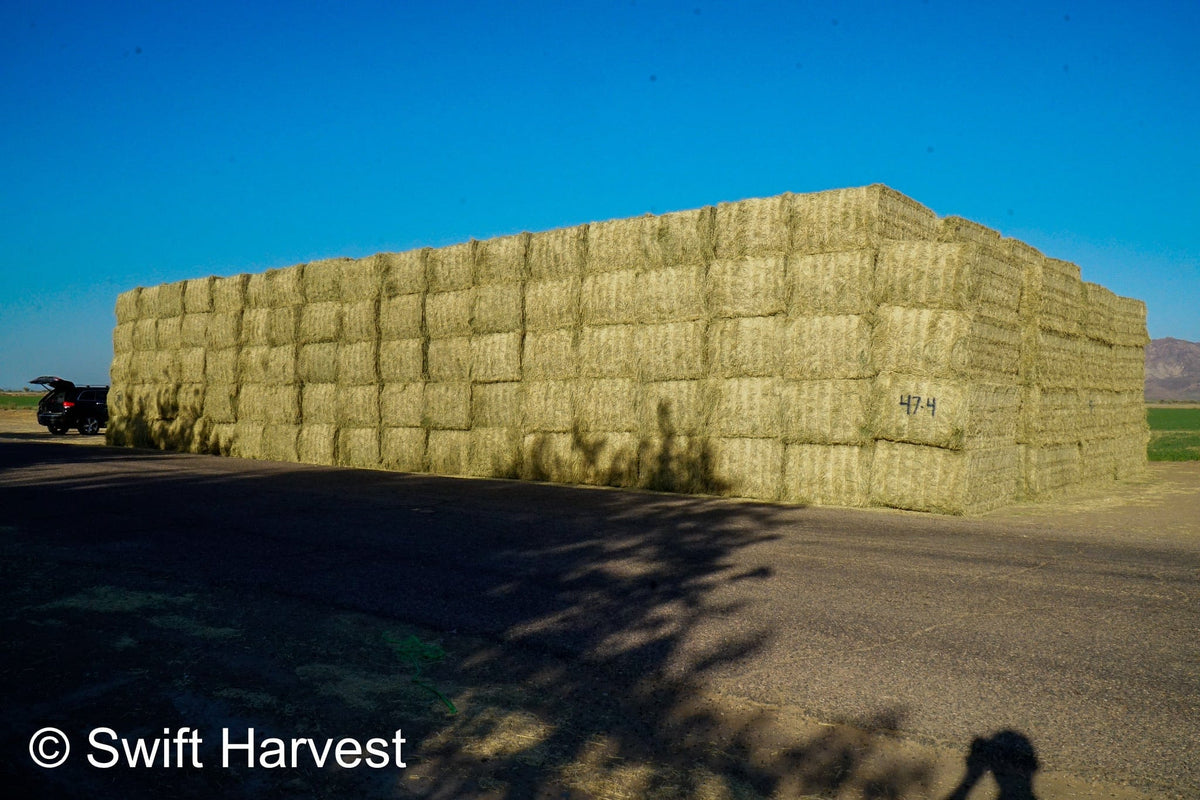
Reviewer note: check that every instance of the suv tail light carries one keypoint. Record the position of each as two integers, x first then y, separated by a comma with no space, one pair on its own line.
68,404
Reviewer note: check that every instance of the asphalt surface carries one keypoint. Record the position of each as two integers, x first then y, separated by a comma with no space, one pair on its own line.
1080,636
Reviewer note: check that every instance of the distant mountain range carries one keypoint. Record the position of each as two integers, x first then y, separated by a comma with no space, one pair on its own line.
1173,370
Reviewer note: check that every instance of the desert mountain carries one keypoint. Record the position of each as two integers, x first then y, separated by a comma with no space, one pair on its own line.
1173,370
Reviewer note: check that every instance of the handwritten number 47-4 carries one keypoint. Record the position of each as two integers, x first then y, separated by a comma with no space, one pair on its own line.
914,404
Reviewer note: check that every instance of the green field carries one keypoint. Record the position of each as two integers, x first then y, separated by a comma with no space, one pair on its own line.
1174,434
21,400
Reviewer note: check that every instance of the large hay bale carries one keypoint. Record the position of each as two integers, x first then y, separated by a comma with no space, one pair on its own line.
448,314
360,280
265,402
1129,323
607,351
318,404
193,331
282,324
853,219
275,288
830,283
123,337
145,334
319,322
402,316
671,351
548,405
924,478
494,453
1060,362
746,347
451,269
501,260
753,228
558,253
404,273
321,281
682,238
128,305
220,402
1062,300
402,405
358,363
402,360
552,304
360,321
448,452
944,413
549,456
162,301
191,364
229,294
169,333
940,343
748,467
448,405
747,407
960,277
550,355
450,359
621,245
607,404
256,327
498,308
670,294
496,405
281,442
246,441
959,230
403,449
827,346
224,329
120,371
317,443
606,458
495,357
197,295
358,447
746,287
1047,470
221,365
827,475
1051,416
318,362
608,298
674,407
357,406
271,365
827,412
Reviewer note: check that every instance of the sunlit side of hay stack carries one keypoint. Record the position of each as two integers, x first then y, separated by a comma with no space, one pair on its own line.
839,348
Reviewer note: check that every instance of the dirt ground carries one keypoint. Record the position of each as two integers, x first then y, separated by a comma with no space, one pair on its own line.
220,657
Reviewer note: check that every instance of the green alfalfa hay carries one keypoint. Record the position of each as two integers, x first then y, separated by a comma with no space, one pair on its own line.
318,404
448,313
830,283
827,475
168,333
674,408
502,260
221,365
448,452
224,329
270,365
670,294
495,357
921,341
317,363
319,322
403,448
608,351
753,228
944,412
672,351
1062,298
194,330
360,321
357,363
450,359
558,253
683,238
269,403
402,361
749,286
128,307
1048,470
197,295
191,364
404,273
609,298
749,407
401,317
547,406
317,443
923,478
220,403
857,218
358,447
123,337
145,334
749,467
828,346
550,355
746,347
494,452
827,412
229,294
321,280
361,279
357,406
281,442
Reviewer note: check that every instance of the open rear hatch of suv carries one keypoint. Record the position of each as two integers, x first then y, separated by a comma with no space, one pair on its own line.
51,411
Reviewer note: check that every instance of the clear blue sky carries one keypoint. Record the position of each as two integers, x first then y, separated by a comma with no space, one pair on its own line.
156,141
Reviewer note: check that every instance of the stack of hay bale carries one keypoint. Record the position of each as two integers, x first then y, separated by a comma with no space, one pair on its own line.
838,348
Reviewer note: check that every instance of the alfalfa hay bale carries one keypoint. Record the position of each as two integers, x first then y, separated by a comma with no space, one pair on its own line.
501,260
256,327
494,453
358,447
402,405
162,301
360,279
547,456
402,317
671,351
607,404
747,407
496,405
451,269
922,478
922,341
448,313
550,355
145,334
450,359
548,405
746,347
748,467
827,346
317,443
751,228
317,363
357,363
123,337
224,329
275,288
318,404
495,357
606,458
827,475
403,273
961,277
960,230
1062,298
853,219
402,360
827,412
168,333
670,294
197,295
269,403
191,364
448,452
357,406
746,287
403,449
448,405
1049,470
281,442
247,439
608,351
830,283
220,402
270,365
321,281
619,245
945,413
498,308
682,238
282,324
360,321
559,253
193,330
319,322
229,294
128,309
609,298
670,408
552,304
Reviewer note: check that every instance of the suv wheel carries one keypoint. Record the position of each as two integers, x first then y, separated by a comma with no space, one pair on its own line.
56,428
89,426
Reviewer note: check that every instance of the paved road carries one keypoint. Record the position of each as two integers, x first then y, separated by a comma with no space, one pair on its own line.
1080,636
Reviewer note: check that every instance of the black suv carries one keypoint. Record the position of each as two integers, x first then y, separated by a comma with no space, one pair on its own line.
67,406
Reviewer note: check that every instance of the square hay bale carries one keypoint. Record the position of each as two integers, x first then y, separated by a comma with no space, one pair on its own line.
358,447
828,346
676,464
246,441
318,404
275,288
747,407
361,279
317,444
1051,416
606,458
498,308
495,357
1130,454
318,362
225,329
751,228
193,330
281,442
1098,460
403,273
922,341
358,363
162,301
448,313
220,402
608,351
357,406
448,406
607,404
1062,302
609,298
145,334
221,365
274,365
451,269
496,405
501,260
552,304
1050,469
670,408
321,282
128,306
960,277
448,452
229,294
320,322
169,333
450,359
945,413
830,283
549,456
746,347
619,245
123,337
191,364
853,219
360,321
958,230
558,253
402,405
827,475
256,327
216,439
550,355
547,406
402,360
827,412
746,287
748,467
403,449
671,351
494,453
683,238
1029,260
922,478
189,401
197,295
160,366
264,402
401,317
282,324
1129,323
121,369
670,294
1060,361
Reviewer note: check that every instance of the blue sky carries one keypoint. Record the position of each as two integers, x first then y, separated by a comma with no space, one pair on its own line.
151,142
